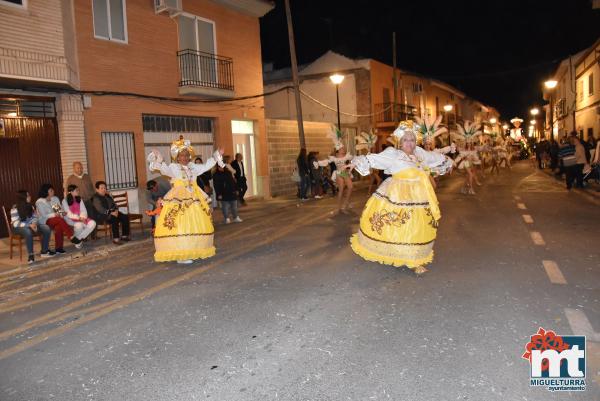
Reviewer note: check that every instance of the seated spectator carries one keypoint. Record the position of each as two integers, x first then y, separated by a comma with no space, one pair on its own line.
77,215
226,190
106,211
51,213
24,222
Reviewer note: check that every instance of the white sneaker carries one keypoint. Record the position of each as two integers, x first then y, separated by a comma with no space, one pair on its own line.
318,197
185,262
79,246
238,220
227,220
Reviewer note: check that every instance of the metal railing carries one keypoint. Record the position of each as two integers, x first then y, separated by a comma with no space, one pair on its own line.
384,112
206,70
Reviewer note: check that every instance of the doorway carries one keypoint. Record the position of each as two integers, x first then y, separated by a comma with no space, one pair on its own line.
243,142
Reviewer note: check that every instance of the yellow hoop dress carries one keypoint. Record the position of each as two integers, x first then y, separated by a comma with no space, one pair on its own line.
184,229
399,223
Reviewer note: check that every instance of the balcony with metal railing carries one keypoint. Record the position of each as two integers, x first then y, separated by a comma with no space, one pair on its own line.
205,74
386,113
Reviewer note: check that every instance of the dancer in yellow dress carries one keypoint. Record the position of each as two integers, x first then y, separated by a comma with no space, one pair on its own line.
184,229
399,222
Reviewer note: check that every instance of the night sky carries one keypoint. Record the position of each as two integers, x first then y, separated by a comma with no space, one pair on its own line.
498,52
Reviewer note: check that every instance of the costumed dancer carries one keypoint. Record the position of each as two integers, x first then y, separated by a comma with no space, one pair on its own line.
366,141
399,222
184,229
468,157
343,173
427,129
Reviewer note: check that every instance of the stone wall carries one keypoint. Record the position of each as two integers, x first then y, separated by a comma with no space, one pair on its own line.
283,148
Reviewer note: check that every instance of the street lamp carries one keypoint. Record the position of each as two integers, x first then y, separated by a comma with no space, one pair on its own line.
447,109
493,120
535,111
550,85
337,80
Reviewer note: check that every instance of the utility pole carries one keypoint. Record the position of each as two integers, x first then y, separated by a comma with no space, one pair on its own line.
394,111
295,74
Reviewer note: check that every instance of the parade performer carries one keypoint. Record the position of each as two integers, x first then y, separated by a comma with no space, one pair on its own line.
468,158
184,229
366,141
399,222
343,172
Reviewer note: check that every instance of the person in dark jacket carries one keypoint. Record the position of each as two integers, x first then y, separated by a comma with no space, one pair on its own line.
316,175
304,173
240,177
227,194
106,211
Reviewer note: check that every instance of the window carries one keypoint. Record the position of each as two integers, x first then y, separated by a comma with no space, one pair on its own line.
119,160
161,123
591,85
590,133
417,87
580,91
110,20
14,3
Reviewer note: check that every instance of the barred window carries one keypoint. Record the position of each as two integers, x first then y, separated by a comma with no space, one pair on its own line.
119,160
162,123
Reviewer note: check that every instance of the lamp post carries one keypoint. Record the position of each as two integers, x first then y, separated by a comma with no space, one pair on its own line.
448,109
337,80
534,112
550,85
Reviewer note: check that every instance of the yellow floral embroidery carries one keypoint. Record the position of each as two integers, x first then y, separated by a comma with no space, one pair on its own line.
432,222
380,219
169,221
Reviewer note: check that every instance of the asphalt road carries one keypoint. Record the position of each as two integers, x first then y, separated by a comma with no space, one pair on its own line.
286,310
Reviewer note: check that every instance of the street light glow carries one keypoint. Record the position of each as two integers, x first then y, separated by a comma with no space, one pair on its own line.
448,107
535,111
551,84
505,126
336,78
532,122
493,120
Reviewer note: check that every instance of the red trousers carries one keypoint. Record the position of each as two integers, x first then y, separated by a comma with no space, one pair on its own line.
60,228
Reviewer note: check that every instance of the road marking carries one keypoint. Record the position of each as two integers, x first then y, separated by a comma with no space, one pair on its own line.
580,325
554,272
517,197
521,205
123,302
537,239
528,219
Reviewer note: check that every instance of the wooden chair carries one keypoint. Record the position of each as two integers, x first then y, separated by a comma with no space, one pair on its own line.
122,201
15,239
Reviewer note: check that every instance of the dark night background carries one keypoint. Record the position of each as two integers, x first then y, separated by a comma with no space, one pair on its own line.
498,52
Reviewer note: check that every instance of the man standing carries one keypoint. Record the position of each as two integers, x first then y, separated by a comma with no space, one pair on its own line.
240,177
82,181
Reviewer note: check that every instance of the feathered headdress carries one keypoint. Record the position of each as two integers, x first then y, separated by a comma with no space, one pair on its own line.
180,145
336,137
366,140
469,130
428,128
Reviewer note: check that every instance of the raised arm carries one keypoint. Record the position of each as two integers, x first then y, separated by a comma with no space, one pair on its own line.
156,163
199,169
378,161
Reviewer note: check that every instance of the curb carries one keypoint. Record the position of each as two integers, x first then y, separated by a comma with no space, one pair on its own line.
91,255
591,195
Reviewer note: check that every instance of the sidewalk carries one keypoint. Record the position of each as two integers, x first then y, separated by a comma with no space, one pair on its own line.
591,191
95,249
